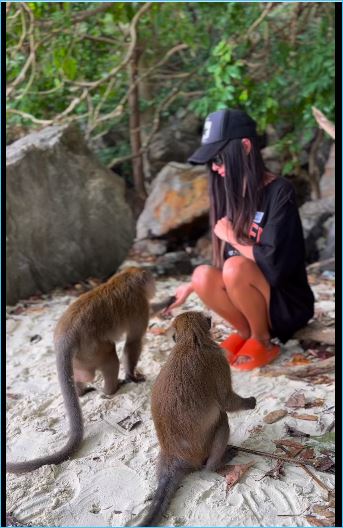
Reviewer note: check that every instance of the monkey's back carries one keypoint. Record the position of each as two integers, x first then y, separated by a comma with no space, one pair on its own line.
184,403
116,303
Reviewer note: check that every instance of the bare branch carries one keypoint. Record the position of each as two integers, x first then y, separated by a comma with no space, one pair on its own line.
32,52
32,55
72,105
82,15
119,108
259,19
104,40
116,69
32,118
156,122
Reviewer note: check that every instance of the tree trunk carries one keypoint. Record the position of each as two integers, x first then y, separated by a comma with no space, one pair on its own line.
135,133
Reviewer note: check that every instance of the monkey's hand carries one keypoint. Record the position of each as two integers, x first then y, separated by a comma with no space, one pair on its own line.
252,402
137,377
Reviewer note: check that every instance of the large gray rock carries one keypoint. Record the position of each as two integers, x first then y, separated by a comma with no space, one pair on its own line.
67,218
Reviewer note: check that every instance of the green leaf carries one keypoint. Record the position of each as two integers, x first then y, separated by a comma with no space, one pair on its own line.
288,167
243,96
327,438
70,68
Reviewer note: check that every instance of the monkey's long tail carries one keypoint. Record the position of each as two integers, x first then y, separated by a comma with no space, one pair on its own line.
72,405
169,481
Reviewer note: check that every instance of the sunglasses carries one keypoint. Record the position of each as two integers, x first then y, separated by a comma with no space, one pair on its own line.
218,160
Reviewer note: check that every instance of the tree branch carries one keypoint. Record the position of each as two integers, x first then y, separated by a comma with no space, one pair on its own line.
323,122
82,15
259,19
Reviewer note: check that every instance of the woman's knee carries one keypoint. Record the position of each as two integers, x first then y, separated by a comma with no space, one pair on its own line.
201,277
237,269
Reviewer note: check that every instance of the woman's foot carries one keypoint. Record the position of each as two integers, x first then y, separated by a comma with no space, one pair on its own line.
232,345
255,353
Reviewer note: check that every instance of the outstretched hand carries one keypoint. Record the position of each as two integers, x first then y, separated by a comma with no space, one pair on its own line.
181,295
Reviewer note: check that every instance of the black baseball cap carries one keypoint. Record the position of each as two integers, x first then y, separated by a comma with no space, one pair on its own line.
219,128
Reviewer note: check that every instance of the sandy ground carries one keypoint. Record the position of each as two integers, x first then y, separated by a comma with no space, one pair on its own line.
110,480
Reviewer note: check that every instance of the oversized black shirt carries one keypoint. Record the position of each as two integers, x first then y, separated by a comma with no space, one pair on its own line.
279,252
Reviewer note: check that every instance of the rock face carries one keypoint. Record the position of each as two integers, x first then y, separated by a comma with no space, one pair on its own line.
67,218
176,141
317,217
179,196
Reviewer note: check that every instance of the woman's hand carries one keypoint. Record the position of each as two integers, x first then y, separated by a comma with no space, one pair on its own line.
224,230
181,295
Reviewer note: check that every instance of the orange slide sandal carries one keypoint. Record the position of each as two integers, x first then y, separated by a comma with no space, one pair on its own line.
232,345
259,354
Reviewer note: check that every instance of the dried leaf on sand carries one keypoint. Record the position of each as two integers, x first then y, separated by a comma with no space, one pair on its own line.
277,471
309,417
158,330
296,400
323,510
314,521
325,463
234,472
274,416
297,359
307,454
319,402
288,443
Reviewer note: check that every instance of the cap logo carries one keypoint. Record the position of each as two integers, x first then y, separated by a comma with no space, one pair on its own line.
207,130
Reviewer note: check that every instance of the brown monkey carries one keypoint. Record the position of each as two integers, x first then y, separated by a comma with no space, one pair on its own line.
189,402
85,339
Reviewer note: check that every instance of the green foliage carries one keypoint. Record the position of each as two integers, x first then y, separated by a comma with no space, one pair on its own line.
276,81
275,62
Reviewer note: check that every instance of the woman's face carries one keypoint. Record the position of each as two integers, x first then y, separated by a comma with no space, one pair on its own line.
218,163
220,169
218,166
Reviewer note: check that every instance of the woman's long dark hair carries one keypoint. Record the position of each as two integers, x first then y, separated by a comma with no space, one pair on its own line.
226,194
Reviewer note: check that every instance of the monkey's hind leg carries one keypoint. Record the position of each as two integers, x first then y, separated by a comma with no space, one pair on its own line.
109,367
219,444
82,388
81,377
132,351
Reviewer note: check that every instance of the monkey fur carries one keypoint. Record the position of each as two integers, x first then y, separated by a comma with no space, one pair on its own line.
189,402
84,342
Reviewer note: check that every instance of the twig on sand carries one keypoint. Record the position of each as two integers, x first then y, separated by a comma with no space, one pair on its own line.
308,371
289,460
316,479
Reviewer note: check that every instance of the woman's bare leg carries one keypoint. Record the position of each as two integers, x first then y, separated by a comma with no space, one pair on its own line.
249,291
208,284
239,293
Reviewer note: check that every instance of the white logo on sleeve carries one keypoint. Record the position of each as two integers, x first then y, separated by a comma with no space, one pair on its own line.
207,131
258,217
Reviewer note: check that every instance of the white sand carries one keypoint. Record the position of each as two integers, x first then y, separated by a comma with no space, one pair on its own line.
109,481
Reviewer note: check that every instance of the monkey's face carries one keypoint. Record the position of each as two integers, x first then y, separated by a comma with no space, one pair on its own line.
190,322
